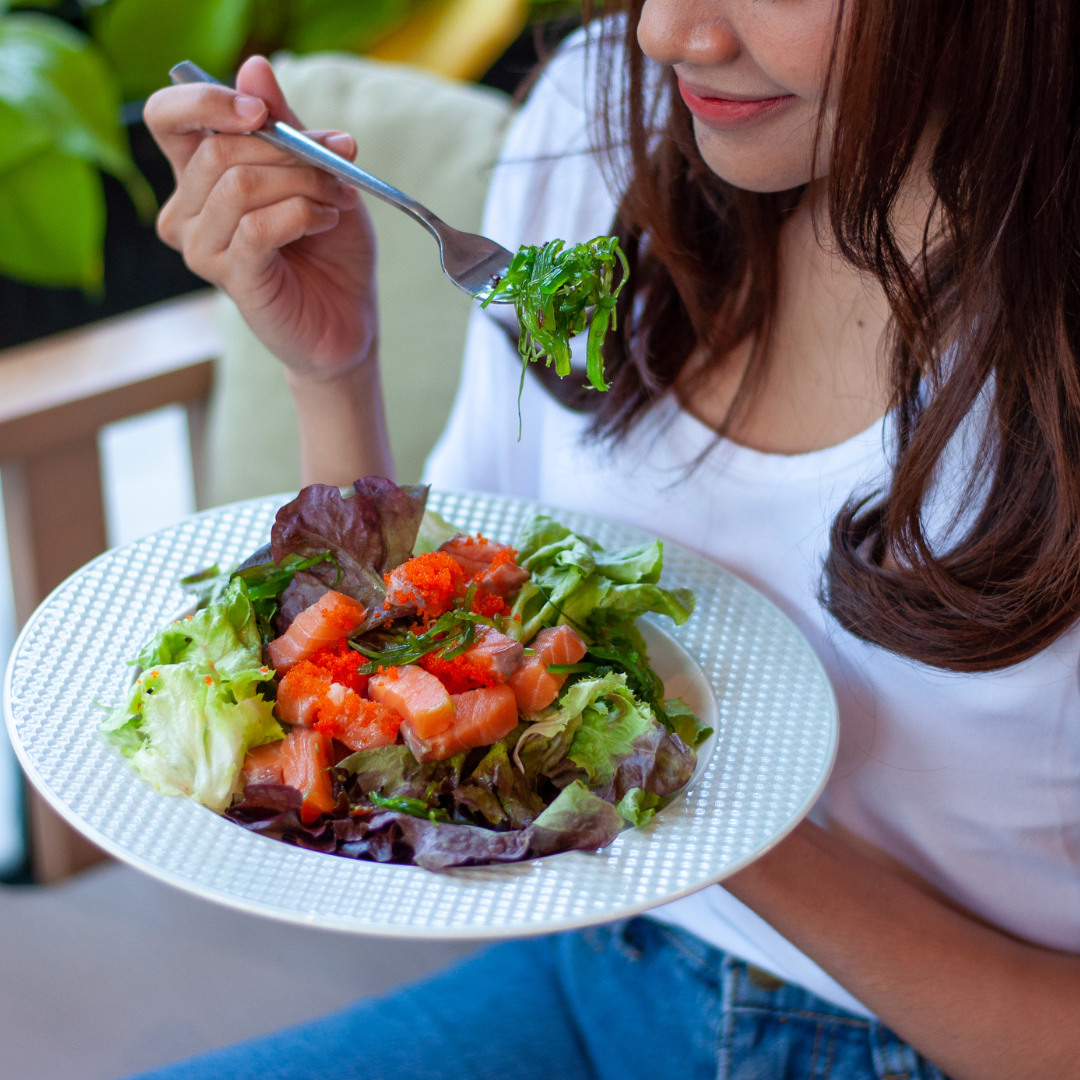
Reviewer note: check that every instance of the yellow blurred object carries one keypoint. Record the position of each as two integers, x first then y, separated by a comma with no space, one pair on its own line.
460,39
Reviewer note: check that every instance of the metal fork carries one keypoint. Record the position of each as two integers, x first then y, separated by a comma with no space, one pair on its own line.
473,263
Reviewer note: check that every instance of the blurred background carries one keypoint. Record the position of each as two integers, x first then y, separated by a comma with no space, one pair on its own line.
126,393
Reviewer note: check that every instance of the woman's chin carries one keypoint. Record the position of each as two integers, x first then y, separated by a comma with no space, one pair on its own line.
753,165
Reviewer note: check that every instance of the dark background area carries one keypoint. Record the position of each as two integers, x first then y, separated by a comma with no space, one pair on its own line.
139,268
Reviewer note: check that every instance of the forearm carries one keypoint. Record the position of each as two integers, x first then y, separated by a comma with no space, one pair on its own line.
977,1003
343,433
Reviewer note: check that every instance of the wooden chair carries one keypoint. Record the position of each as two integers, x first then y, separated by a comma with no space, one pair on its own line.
56,394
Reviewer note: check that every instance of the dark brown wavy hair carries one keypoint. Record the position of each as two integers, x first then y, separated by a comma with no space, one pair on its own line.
992,306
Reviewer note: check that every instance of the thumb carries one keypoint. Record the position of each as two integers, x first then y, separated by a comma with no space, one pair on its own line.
256,77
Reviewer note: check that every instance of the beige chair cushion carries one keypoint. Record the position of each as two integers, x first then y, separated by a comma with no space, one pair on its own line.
435,139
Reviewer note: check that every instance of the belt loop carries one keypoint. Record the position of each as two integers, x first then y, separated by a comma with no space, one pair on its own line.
893,1058
729,979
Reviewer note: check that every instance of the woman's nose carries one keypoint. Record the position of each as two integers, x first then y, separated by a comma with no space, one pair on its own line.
687,32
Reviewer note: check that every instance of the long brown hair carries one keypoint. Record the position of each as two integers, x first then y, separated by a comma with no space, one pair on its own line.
993,306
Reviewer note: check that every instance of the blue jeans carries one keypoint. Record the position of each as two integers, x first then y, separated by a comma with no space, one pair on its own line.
626,1000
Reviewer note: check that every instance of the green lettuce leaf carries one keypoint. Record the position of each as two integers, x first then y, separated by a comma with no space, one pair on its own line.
611,724
222,638
685,724
195,710
576,819
434,531
556,718
575,581
638,806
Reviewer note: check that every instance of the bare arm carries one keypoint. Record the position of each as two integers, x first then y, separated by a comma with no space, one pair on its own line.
342,427
976,1002
294,249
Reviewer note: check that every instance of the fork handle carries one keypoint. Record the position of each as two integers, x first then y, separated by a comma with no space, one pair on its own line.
294,142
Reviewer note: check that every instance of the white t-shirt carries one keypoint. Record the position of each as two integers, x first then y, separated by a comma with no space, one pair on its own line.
972,781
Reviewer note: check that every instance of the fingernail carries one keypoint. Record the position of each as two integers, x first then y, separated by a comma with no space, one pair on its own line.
340,144
248,108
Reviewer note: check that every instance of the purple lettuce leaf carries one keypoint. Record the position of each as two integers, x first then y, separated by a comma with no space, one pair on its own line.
368,534
659,763
576,820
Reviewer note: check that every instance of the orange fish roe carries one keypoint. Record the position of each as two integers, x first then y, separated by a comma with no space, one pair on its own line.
503,556
359,723
460,674
340,664
489,606
431,581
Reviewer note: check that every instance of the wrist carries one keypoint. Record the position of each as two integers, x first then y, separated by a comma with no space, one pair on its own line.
359,376
342,425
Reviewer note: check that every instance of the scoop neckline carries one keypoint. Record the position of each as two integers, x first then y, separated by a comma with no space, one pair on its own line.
735,458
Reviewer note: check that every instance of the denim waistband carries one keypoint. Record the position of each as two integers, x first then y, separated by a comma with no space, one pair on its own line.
757,1007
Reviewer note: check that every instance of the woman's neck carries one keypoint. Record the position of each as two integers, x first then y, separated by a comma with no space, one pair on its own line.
824,374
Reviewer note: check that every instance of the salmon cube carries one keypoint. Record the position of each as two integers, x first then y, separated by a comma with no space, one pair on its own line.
300,692
489,564
534,686
305,765
502,580
490,660
332,617
474,554
495,654
429,582
263,765
560,645
417,695
360,724
482,717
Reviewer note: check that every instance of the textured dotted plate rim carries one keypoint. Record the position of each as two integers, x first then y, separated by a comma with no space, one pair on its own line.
771,755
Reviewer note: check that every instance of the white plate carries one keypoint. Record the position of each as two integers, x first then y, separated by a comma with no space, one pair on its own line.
738,660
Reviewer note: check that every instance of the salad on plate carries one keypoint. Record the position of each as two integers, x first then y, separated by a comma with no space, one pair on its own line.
377,685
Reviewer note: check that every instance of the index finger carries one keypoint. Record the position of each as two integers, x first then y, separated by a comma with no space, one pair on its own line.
180,117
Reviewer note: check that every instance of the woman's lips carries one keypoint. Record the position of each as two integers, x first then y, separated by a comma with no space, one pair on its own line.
727,114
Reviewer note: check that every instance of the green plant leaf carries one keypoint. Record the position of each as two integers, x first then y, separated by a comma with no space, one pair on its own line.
58,82
20,137
143,39
52,221
344,24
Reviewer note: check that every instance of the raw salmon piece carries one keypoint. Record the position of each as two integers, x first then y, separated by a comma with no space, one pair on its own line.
429,582
305,763
332,617
473,553
361,725
490,565
417,695
263,765
482,717
492,659
495,654
503,580
559,645
536,687
300,692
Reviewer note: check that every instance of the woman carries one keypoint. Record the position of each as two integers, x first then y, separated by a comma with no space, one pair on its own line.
846,369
